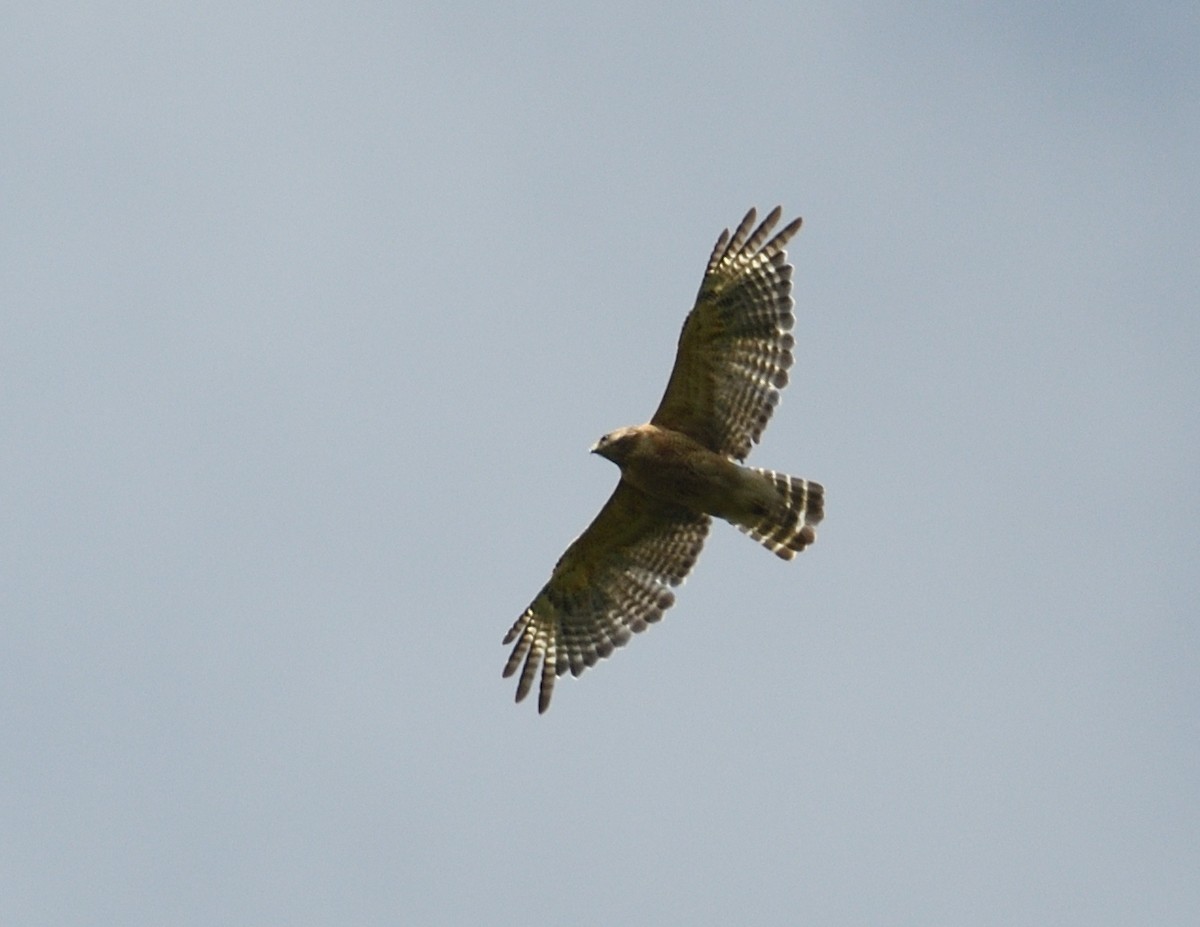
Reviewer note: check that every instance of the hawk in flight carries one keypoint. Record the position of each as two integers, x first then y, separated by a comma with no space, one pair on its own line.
680,469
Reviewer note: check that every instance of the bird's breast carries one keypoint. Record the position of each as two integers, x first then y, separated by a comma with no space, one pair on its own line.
674,468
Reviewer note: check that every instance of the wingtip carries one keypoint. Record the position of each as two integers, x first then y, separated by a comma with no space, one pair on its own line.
784,235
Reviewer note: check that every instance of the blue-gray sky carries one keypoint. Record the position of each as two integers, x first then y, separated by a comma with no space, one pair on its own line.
309,315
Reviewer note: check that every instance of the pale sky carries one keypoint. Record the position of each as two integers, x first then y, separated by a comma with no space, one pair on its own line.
310,313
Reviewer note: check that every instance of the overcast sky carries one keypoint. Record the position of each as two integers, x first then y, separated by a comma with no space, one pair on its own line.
308,316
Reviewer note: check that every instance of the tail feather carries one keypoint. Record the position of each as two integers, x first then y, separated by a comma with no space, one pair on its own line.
790,526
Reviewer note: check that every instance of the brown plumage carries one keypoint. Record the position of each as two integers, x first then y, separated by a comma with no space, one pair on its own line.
680,469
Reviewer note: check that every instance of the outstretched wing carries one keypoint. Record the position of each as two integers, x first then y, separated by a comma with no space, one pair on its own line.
613,581
736,345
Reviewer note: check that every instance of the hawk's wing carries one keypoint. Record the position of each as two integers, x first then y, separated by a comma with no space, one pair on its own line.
612,581
736,345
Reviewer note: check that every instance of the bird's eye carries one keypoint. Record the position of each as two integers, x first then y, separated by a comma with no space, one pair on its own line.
603,439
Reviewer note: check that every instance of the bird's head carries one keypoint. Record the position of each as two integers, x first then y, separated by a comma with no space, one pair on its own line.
616,445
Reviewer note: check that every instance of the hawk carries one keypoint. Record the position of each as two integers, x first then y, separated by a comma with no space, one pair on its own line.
680,469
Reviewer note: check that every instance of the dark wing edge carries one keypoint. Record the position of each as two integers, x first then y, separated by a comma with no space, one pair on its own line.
612,582
735,348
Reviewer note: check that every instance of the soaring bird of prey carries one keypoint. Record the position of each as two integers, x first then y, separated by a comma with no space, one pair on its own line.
680,469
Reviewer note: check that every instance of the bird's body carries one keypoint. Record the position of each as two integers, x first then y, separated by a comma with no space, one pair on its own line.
674,468
670,466
680,469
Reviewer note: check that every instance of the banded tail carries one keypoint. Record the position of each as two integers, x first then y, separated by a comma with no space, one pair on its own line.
789,527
